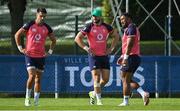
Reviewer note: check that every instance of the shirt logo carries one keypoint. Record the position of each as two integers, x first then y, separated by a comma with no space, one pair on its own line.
33,30
94,31
37,38
104,30
99,37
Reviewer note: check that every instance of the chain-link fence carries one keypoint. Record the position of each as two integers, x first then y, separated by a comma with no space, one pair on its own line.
62,18
62,15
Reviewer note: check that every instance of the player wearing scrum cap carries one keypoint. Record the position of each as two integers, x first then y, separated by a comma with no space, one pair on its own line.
97,35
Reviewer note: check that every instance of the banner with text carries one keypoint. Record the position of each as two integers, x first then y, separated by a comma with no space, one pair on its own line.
71,74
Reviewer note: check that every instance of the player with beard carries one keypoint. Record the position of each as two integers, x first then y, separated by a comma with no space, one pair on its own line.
97,35
130,59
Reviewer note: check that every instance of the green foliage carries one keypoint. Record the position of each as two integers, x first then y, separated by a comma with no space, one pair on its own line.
106,12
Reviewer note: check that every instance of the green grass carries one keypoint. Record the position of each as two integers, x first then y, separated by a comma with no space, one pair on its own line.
82,104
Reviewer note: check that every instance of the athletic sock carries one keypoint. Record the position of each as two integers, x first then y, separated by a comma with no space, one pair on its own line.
98,96
94,93
36,96
141,91
126,99
28,93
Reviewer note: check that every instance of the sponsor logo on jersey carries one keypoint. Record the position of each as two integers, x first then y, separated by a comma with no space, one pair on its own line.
34,30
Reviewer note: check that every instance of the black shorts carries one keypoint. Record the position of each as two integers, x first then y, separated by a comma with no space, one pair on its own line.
133,63
98,62
37,63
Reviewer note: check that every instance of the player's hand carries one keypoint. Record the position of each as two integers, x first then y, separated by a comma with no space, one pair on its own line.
89,51
124,62
50,51
22,50
119,61
109,51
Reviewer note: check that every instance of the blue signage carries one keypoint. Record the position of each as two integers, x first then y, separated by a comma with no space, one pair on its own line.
71,74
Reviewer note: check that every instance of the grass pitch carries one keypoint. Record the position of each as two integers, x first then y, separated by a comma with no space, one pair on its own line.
83,104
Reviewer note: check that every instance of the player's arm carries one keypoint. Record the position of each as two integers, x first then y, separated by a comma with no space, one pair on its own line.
114,42
79,40
131,34
53,42
130,43
18,35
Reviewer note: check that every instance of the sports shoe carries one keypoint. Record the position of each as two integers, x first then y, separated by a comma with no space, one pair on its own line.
27,102
92,98
36,103
146,98
123,104
99,103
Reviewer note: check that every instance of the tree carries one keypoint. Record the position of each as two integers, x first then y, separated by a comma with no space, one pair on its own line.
106,8
17,9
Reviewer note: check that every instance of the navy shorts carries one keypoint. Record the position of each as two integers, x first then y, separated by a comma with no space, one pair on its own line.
98,62
37,63
133,63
